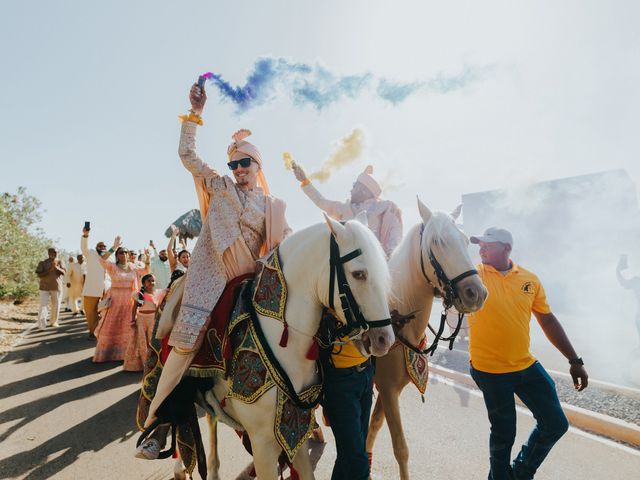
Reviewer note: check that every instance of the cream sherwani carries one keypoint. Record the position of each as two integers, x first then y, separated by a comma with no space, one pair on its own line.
76,274
238,227
384,217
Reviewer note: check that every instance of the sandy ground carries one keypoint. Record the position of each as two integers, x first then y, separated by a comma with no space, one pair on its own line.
14,321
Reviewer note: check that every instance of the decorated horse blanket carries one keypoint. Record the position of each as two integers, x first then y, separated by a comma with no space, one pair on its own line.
252,368
235,350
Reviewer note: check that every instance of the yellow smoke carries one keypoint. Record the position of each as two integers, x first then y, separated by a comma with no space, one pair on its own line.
349,148
288,160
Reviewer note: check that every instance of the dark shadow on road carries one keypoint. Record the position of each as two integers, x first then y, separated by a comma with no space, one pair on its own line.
27,412
68,337
72,371
114,423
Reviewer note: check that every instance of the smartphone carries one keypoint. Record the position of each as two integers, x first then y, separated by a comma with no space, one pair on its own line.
201,80
87,225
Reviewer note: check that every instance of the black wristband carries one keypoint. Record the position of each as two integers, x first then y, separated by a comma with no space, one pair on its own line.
576,361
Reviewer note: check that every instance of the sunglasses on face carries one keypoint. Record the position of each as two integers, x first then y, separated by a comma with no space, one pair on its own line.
243,162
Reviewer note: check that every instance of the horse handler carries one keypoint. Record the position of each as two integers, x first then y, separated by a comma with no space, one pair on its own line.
502,365
348,383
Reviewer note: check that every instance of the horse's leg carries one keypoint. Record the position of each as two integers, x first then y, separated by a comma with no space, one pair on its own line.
391,404
265,456
213,462
302,463
375,424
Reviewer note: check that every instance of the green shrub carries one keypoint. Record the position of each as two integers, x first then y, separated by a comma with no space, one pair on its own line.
22,244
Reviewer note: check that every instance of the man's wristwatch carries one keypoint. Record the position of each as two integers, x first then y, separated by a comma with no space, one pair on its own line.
576,361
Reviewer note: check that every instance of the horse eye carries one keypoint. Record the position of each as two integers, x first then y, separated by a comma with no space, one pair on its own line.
359,275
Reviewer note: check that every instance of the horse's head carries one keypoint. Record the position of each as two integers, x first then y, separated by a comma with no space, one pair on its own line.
367,275
444,246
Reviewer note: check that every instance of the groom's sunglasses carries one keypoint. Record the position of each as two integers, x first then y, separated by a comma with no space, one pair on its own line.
243,162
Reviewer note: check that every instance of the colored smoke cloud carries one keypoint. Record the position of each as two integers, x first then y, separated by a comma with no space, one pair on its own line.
317,86
348,149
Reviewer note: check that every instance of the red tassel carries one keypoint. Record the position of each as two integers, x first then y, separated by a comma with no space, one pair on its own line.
314,351
284,339
223,402
227,353
294,474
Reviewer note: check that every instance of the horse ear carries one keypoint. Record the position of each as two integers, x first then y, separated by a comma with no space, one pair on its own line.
362,218
334,226
425,213
456,212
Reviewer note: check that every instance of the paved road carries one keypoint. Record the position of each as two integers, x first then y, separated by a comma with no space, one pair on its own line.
63,417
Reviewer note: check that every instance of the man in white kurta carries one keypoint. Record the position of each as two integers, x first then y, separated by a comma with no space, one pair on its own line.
384,216
160,267
94,284
77,272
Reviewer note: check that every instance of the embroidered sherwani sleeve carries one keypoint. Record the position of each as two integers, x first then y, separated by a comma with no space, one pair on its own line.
188,155
333,208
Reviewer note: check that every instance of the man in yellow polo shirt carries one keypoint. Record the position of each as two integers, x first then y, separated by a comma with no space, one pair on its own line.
502,365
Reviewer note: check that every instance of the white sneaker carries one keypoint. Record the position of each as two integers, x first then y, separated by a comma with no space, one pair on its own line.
149,450
54,325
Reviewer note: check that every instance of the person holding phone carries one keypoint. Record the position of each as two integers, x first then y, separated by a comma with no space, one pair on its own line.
94,280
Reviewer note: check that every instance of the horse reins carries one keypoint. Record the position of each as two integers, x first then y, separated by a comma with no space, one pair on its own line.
447,290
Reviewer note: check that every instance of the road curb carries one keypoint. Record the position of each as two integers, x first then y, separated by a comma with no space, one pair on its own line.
584,419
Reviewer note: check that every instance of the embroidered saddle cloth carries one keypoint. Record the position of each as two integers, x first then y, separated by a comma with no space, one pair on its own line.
417,367
235,349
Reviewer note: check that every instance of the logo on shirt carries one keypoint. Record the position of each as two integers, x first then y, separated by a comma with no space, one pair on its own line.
527,287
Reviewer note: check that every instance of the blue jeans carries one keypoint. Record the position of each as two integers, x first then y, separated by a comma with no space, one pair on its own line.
347,404
537,391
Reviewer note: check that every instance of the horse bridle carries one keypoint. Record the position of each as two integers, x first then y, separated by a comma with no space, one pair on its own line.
447,289
355,324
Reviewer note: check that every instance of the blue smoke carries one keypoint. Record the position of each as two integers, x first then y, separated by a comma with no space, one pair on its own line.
316,86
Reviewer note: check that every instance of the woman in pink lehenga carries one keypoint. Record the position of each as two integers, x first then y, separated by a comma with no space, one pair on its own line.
114,330
143,316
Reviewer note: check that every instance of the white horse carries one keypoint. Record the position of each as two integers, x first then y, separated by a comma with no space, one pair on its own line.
305,264
414,278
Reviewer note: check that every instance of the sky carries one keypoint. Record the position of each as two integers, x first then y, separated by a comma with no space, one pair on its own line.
90,93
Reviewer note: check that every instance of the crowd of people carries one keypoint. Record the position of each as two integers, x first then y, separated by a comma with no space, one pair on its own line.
118,295
242,222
